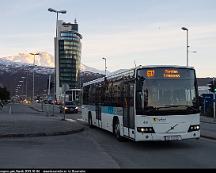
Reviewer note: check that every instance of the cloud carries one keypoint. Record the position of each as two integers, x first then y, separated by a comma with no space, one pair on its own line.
44,59
156,44
145,40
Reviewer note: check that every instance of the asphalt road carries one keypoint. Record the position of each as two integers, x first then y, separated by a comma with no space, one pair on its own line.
95,148
184,154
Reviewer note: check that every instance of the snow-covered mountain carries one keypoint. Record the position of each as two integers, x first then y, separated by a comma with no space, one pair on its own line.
13,67
43,59
86,69
12,72
44,63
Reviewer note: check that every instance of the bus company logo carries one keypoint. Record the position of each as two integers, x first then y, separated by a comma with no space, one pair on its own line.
159,119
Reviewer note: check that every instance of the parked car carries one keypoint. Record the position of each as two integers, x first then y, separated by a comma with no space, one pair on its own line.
69,107
45,101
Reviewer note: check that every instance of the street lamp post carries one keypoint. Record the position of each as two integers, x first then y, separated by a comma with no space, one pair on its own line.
105,67
34,54
57,14
56,43
185,29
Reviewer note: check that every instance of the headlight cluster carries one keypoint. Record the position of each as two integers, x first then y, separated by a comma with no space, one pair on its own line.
194,128
65,108
145,129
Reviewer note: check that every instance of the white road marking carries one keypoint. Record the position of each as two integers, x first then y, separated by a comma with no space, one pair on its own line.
81,120
71,120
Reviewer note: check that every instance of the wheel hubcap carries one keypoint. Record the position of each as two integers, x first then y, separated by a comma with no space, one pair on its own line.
117,129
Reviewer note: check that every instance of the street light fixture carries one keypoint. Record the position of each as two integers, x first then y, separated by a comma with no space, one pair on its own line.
185,29
53,10
57,14
105,66
34,54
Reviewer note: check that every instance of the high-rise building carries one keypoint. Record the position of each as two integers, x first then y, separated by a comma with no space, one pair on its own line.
68,57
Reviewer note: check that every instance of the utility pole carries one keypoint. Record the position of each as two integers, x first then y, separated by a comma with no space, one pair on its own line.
214,99
186,29
49,85
56,47
105,66
34,54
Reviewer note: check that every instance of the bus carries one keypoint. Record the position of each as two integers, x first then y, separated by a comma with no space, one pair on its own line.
146,103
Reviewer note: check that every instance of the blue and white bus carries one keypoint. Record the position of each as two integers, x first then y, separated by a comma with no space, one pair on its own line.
147,103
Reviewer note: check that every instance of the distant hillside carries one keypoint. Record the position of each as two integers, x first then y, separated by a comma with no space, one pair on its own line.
12,72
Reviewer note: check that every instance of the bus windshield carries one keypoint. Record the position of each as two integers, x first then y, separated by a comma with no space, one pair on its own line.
166,92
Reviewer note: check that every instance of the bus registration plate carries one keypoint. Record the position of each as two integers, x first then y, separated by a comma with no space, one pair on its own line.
172,138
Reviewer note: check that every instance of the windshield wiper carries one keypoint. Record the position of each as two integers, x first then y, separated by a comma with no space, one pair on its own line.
150,109
167,106
175,106
192,108
161,107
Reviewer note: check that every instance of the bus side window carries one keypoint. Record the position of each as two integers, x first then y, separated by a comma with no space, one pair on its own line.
86,95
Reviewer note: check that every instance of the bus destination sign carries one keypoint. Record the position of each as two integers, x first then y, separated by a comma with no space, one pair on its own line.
150,73
166,73
171,73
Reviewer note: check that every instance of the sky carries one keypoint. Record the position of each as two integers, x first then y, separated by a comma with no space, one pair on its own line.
126,32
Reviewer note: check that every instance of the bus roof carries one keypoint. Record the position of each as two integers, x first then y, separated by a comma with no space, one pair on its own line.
129,71
164,66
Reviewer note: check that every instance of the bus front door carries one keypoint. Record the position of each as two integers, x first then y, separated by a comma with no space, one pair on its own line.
98,115
128,109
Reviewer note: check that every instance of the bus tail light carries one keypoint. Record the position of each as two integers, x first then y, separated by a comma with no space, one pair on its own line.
145,129
194,128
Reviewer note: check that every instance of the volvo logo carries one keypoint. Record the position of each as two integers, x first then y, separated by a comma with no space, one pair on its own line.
171,128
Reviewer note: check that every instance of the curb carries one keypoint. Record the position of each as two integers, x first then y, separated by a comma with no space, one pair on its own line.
208,122
42,134
208,137
208,134
38,110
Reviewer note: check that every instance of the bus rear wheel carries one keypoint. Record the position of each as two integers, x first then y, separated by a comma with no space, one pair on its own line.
117,131
90,120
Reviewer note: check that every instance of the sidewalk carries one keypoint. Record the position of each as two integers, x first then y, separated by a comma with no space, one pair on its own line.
208,127
45,108
34,125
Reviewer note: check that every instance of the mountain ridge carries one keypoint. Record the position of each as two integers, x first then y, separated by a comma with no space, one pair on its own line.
43,60
11,73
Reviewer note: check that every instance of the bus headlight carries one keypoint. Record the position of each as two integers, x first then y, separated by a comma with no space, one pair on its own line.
145,129
76,108
194,128
65,108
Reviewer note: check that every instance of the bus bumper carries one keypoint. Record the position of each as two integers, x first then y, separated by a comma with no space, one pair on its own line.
167,137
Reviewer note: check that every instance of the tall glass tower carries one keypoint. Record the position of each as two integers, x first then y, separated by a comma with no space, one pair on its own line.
68,57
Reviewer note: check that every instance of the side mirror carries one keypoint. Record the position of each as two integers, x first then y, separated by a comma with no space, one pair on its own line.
140,78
